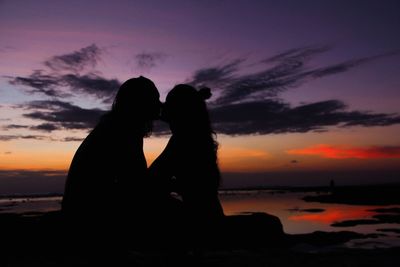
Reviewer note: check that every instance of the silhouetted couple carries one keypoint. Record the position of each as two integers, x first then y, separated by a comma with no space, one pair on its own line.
111,192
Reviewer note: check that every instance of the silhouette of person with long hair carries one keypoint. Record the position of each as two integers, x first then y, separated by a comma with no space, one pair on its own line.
188,165
107,178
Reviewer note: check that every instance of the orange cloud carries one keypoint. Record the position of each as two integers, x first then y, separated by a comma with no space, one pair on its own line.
345,152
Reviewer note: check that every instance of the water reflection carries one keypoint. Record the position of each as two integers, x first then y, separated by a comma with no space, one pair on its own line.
300,217
297,216
336,214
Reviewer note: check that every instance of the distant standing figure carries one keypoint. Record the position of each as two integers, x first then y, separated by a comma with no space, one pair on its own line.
332,186
108,173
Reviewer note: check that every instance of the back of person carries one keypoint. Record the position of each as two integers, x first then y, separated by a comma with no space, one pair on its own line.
106,185
99,174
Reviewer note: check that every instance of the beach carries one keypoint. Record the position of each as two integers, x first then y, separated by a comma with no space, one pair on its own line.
38,238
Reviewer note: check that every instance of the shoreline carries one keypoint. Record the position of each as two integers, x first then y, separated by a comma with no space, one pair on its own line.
327,189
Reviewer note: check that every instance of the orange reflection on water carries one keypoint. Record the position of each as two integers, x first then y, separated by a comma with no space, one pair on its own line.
335,214
346,152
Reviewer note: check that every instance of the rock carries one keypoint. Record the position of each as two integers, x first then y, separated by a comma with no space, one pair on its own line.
253,230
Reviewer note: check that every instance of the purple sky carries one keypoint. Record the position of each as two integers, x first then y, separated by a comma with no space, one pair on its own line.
351,71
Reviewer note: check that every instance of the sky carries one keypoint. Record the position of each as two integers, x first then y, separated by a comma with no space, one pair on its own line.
303,91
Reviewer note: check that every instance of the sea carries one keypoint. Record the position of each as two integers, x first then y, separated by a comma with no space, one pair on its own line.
297,216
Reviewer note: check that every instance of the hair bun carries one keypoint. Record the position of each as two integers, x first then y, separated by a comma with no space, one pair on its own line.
205,93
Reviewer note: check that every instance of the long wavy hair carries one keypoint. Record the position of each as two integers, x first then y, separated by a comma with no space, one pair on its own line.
186,111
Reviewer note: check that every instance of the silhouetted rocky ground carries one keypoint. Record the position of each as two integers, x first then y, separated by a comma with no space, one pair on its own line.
252,240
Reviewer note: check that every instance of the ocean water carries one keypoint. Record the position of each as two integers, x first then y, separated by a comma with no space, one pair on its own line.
299,216
296,215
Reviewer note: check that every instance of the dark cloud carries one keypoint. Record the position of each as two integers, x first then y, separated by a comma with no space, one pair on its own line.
15,137
61,77
34,137
62,86
280,72
75,61
8,137
72,139
347,65
92,84
274,116
160,128
300,53
294,161
245,103
8,153
216,77
39,82
248,104
149,60
15,126
5,138
46,127
59,114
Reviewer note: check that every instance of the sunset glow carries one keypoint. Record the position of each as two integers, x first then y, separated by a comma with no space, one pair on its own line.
306,91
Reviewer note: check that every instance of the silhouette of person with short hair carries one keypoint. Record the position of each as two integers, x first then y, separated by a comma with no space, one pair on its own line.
188,165
107,179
